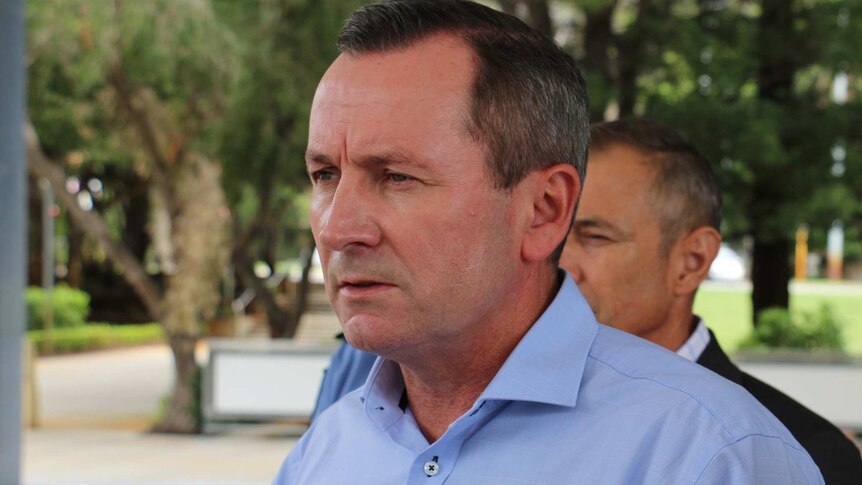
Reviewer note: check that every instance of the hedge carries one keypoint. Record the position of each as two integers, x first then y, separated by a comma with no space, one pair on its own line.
70,307
779,328
96,336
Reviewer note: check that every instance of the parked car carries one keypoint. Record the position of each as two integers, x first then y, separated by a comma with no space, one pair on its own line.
728,266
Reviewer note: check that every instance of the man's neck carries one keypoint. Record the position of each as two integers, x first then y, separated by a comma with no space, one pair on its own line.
677,326
436,407
442,388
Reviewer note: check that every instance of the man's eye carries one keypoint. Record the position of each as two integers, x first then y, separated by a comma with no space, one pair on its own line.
322,176
398,177
595,238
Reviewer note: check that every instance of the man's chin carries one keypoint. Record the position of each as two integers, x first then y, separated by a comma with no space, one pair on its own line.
369,333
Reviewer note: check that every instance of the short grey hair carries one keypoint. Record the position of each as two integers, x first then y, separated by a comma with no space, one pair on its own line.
684,189
529,100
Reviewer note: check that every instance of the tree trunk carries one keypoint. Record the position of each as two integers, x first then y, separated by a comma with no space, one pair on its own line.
181,413
75,265
278,319
301,302
509,6
200,242
540,17
770,275
770,271
534,13
598,38
137,213
777,64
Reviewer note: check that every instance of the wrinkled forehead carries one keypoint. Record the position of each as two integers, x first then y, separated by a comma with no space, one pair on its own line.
435,67
413,89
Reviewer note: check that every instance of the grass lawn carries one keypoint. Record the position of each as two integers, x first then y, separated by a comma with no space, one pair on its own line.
727,309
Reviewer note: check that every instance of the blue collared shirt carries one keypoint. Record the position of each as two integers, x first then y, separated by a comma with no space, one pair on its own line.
575,402
348,369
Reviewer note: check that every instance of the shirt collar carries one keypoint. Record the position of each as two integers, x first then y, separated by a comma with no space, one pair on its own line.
546,366
696,343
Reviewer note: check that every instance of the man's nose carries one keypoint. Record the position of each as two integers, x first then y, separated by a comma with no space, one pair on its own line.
350,218
576,272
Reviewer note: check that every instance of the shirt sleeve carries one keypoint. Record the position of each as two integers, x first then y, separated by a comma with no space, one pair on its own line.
760,459
289,470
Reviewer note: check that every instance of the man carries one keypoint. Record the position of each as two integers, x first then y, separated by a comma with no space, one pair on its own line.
447,146
645,235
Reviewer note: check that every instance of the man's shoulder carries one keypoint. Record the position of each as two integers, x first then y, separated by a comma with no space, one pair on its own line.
675,381
799,419
836,455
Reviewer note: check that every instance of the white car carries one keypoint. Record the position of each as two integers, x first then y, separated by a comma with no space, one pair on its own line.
728,266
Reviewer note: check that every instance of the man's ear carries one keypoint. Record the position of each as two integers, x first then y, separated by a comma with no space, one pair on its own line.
691,258
554,192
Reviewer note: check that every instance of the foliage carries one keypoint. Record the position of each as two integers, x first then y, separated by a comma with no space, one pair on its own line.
286,47
96,336
749,82
144,86
778,328
68,306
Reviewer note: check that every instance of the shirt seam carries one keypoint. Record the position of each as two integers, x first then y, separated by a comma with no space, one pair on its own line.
728,445
718,420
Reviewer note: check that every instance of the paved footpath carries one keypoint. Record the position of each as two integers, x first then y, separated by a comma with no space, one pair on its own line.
118,457
94,409
107,388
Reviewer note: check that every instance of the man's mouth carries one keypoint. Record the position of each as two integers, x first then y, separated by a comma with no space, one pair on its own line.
364,284
358,284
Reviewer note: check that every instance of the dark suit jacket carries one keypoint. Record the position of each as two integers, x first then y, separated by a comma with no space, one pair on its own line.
838,458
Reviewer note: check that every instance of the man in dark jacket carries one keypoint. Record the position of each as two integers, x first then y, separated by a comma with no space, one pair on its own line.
645,235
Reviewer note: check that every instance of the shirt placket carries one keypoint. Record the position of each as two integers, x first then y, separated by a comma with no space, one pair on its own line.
435,464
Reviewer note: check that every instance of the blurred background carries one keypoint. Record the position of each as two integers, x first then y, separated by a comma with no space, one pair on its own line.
167,208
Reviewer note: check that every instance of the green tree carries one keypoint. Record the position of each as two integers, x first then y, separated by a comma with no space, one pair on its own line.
286,48
750,83
141,85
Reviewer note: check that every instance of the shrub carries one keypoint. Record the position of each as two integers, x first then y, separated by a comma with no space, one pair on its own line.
801,330
70,307
96,336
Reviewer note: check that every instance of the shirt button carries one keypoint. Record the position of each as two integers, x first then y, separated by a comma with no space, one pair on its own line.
431,468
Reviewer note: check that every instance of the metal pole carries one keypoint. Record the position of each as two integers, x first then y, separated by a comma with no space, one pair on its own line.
12,235
48,263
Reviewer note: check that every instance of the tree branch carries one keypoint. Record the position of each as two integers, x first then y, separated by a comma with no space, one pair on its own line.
140,122
93,225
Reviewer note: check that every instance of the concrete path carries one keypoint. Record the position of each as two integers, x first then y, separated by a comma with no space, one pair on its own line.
94,409
115,457
108,388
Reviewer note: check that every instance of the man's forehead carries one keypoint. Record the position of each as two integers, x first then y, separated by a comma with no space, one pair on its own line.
439,61
400,101
618,189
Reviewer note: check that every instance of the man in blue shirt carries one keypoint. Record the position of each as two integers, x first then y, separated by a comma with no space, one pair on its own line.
447,149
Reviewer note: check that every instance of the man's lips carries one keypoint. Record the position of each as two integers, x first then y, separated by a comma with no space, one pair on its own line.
362,286
359,282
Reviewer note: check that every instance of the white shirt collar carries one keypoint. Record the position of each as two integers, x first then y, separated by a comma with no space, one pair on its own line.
696,343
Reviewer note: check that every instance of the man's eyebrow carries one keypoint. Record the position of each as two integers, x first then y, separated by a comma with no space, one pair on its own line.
598,223
590,223
393,157
313,156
